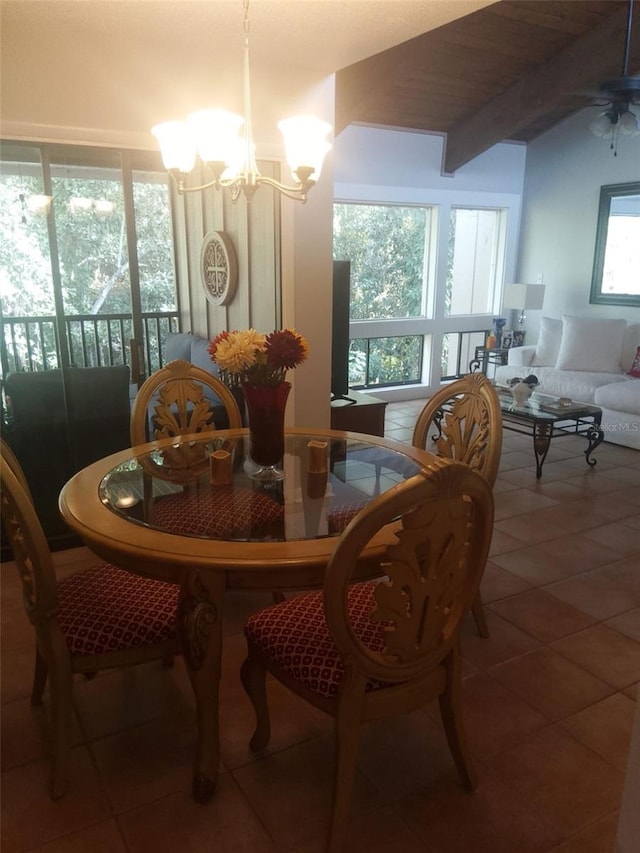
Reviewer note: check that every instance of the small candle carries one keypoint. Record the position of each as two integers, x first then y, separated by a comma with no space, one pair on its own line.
317,457
220,468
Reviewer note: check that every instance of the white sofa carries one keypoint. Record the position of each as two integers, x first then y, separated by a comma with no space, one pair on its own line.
589,361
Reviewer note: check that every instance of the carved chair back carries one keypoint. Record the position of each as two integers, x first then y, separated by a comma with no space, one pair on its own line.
432,571
173,401
30,549
463,421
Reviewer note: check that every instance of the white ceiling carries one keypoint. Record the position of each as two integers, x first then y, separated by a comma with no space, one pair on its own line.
321,35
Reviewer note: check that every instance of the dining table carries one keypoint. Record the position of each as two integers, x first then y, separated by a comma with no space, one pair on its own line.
187,510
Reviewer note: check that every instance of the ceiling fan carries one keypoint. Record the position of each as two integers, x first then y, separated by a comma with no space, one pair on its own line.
618,95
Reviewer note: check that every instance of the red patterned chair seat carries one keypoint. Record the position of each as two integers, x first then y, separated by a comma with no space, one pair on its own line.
339,518
222,513
105,609
295,636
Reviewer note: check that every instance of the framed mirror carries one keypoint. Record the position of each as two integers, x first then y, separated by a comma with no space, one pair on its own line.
616,263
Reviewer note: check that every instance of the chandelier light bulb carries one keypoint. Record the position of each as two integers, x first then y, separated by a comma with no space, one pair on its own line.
628,124
601,126
177,145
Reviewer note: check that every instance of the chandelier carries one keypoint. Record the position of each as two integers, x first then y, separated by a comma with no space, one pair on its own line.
224,143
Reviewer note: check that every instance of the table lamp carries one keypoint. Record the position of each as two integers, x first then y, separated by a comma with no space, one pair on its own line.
524,297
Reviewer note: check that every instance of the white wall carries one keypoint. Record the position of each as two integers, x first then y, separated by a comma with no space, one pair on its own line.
565,169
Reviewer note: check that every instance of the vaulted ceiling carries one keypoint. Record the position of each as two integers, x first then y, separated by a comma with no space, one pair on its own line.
510,70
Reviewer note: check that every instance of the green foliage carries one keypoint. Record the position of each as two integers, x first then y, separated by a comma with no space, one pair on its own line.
386,247
86,245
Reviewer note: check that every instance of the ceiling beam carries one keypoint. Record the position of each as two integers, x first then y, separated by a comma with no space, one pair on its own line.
575,68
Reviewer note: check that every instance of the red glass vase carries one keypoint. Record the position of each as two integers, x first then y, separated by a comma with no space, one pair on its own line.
265,409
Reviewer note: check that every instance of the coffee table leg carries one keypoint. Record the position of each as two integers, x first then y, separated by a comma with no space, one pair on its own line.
595,436
200,632
541,442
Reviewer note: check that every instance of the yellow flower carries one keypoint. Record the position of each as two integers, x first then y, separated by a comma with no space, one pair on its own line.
238,350
250,357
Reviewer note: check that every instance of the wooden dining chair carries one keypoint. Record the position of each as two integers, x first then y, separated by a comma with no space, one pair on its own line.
92,620
368,650
463,421
180,399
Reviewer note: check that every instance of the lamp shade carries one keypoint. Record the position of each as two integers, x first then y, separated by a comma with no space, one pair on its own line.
524,297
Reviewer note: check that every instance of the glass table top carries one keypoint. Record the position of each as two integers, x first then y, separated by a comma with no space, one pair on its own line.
171,489
543,407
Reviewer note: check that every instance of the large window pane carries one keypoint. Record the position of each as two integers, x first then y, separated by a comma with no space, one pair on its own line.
476,256
79,285
92,239
154,242
386,247
26,285
385,361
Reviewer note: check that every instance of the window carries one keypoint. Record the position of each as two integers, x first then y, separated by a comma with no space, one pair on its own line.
414,320
388,250
475,260
79,284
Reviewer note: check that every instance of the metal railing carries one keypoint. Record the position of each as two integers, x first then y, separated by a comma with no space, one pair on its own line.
458,350
94,340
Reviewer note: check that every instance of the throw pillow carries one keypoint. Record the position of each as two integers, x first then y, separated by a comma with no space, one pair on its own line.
548,345
634,370
591,344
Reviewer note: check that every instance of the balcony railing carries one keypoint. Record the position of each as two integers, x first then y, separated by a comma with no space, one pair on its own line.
95,340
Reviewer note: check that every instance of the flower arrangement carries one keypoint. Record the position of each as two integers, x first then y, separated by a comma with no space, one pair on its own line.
248,357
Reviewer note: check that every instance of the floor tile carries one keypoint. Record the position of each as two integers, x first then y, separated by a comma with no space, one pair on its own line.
550,683
596,593
494,819
605,727
494,717
598,837
497,584
606,653
504,643
572,786
542,615
104,837
29,816
226,824
291,791
627,623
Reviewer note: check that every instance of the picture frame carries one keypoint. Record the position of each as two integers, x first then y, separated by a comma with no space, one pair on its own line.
507,339
517,338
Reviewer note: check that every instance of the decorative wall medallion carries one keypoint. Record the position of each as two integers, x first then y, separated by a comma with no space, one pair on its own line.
218,267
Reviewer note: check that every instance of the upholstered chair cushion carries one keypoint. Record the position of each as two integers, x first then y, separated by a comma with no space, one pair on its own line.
339,518
220,513
105,609
294,635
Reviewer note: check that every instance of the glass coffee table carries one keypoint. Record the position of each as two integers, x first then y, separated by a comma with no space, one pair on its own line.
544,418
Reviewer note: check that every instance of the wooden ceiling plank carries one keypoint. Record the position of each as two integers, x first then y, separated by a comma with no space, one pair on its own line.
572,69
574,20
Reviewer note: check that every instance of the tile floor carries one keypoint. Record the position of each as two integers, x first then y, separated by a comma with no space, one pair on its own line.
549,703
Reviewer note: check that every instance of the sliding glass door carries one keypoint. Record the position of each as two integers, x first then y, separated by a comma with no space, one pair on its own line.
87,296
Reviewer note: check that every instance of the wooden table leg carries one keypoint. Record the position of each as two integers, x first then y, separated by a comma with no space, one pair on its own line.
200,631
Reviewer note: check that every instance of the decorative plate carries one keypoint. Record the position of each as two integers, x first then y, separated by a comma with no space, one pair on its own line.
218,267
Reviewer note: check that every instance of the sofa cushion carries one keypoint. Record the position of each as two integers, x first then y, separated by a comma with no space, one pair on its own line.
177,346
620,396
548,345
630,346
591,344
634,370
200,356
579,385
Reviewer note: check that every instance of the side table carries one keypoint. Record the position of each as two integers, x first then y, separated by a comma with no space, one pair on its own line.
484,357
